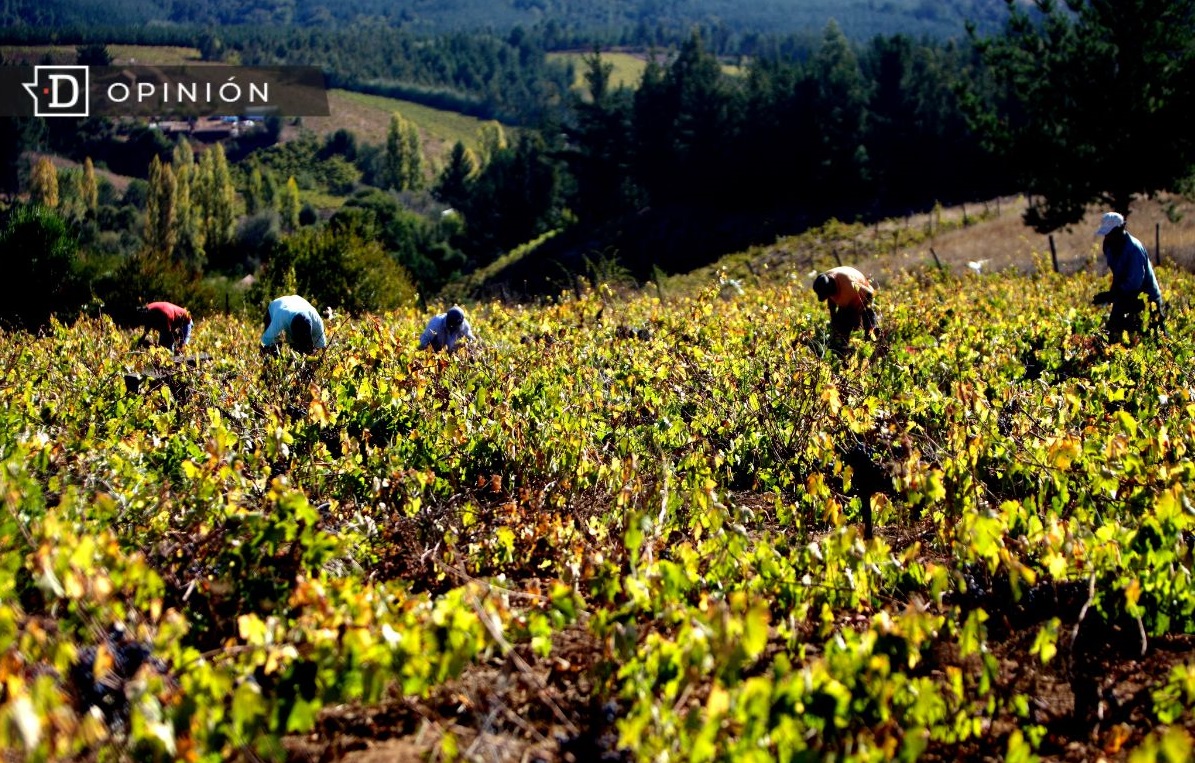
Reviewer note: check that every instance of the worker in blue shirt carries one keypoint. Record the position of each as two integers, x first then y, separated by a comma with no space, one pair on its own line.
1132,276
446,330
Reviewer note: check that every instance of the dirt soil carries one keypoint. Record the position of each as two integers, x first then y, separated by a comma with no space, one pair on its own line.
1093,698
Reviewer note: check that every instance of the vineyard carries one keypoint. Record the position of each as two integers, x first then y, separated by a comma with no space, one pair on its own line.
642,526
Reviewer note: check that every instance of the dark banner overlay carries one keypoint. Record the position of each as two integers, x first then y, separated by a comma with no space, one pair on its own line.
163,92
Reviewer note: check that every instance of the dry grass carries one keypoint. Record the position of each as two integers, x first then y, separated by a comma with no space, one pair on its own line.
1002,241
993,236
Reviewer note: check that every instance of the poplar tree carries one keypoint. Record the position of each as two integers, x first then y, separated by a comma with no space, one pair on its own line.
217,198
160,233
91,188
254,194
43,183
413,152
188,215
403,162
291,204
491,138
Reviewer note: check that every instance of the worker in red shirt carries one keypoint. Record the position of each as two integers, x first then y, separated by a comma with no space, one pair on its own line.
173,324
848,296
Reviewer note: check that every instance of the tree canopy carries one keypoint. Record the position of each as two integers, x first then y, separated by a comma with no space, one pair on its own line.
1092,102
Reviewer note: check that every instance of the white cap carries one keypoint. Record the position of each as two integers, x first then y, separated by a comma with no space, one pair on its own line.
1111,221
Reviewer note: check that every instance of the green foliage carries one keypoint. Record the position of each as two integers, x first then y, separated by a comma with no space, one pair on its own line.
403,161
420,246
148,277
242,520
46,276
339,269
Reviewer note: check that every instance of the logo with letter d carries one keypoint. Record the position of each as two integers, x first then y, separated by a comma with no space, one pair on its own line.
59,91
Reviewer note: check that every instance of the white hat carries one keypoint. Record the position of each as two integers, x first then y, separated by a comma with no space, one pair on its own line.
1111,221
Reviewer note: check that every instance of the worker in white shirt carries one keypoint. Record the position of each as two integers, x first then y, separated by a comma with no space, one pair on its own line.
294,316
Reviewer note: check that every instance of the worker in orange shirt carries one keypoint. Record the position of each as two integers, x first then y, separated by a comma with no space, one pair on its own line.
848,295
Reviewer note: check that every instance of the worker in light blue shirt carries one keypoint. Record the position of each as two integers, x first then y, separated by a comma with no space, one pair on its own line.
446,331
1132,277
301,323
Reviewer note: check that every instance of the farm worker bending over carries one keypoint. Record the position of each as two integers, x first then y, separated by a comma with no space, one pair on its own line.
848,295
295,317
1132,276
446,330
173,324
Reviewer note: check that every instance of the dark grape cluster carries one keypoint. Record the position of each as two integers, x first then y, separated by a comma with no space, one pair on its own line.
101,684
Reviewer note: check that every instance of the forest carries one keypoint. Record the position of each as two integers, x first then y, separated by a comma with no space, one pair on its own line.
606,20
753,146
807,131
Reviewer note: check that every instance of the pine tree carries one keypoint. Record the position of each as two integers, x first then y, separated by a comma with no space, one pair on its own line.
43,183
454,182
1093,103
160,233
840,109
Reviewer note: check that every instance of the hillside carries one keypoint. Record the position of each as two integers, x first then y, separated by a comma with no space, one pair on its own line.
860,19
368,116
990,236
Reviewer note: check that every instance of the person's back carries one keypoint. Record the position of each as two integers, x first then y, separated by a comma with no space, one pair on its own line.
848,296
298,319
851,289
172,323
446,331
1132,276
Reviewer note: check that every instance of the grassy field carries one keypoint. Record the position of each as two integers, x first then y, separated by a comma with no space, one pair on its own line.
369,117
628,67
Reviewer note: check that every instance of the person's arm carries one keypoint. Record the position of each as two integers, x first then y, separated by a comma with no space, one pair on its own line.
270,335
431,335
318,338
866,293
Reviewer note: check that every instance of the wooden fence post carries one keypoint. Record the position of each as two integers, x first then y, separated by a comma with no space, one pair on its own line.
936,260
1053,253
